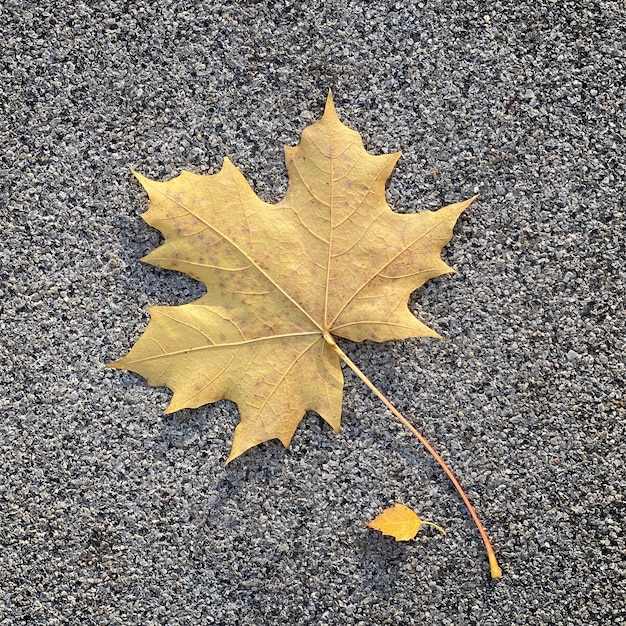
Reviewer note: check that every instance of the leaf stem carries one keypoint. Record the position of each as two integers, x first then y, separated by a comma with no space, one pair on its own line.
496,572
439,528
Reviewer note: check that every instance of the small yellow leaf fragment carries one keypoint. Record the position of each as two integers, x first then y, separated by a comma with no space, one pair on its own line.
400,522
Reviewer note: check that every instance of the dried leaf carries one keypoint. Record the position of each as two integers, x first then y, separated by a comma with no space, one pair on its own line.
331,258
400,522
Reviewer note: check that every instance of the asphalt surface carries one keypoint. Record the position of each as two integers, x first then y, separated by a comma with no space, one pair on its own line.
112,513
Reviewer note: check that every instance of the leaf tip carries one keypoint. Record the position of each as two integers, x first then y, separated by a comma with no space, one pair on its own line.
330,113
227,165
176,404
232,456
143,180
119,364
466,203
429,332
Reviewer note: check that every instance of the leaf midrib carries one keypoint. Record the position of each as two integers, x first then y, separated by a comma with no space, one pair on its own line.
233,344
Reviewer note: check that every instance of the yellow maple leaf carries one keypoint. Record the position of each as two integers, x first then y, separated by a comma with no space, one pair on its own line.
400,522
330,259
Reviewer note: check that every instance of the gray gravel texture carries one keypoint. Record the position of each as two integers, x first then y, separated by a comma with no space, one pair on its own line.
112,513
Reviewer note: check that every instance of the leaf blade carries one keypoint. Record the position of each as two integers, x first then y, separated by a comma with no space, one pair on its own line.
398,521
331,257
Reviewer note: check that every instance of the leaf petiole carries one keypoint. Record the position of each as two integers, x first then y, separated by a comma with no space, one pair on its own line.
439,528
496,572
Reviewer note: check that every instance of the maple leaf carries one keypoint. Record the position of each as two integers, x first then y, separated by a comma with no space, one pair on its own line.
400,522
330,259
